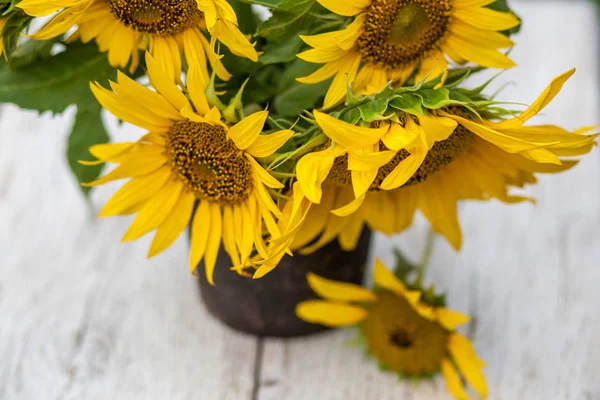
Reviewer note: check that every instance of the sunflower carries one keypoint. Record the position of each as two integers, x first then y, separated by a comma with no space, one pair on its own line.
167,28
436,160
189,156
404,334
390,39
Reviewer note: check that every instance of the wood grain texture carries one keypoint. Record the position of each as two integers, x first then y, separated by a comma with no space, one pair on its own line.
85,317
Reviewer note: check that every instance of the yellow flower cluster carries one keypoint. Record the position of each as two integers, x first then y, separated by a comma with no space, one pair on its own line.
261,187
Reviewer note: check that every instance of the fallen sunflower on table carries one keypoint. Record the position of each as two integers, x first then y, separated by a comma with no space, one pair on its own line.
166,28
390,40
427,159
191,154
404,334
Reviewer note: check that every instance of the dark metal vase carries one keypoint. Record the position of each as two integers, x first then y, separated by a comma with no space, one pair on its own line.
266,306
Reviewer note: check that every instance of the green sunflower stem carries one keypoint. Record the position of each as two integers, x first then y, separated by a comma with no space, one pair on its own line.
426,258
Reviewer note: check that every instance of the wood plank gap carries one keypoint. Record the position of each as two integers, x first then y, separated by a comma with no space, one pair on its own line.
258,365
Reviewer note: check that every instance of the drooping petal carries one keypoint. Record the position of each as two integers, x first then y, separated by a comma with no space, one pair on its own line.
135,191
155,211
174,225
311,171
540,103
348,135
330,314
339,291
200,234
214,242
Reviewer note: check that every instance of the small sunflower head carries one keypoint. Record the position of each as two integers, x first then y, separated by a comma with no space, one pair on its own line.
404,334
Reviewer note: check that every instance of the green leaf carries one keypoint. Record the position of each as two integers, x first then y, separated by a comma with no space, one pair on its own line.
373,110
287,20
57,82
408,102
283,52
300,97
29,52
87,131
247,20
16,22
266,3
434,99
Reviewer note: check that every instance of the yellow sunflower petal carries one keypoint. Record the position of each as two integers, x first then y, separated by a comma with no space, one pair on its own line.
386,279
469,364
343,78
262,173
432,67
362,181
436,129
453,382
265,145
450,319
154,212
399,137
349,208
348,135
196,84
330,314
404,170
438,204
472,51
367,161
339,291
174,225
214,242
347,8
229,235
540,103
135,191
245,132
486,18
311,171
200,234
164,85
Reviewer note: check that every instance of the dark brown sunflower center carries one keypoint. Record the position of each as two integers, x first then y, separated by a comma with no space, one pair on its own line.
398,33
402,340
209,163
158,17
441,154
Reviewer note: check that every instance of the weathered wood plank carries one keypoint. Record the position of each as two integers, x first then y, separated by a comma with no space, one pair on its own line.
83,316
528,274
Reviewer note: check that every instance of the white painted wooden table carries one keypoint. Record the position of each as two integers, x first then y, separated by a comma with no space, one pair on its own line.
85,317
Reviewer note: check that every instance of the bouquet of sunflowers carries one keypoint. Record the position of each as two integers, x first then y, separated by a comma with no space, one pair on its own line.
272,134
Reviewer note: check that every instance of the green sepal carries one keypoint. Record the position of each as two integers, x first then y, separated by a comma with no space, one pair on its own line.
16,23
403,268
233,112
407,102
